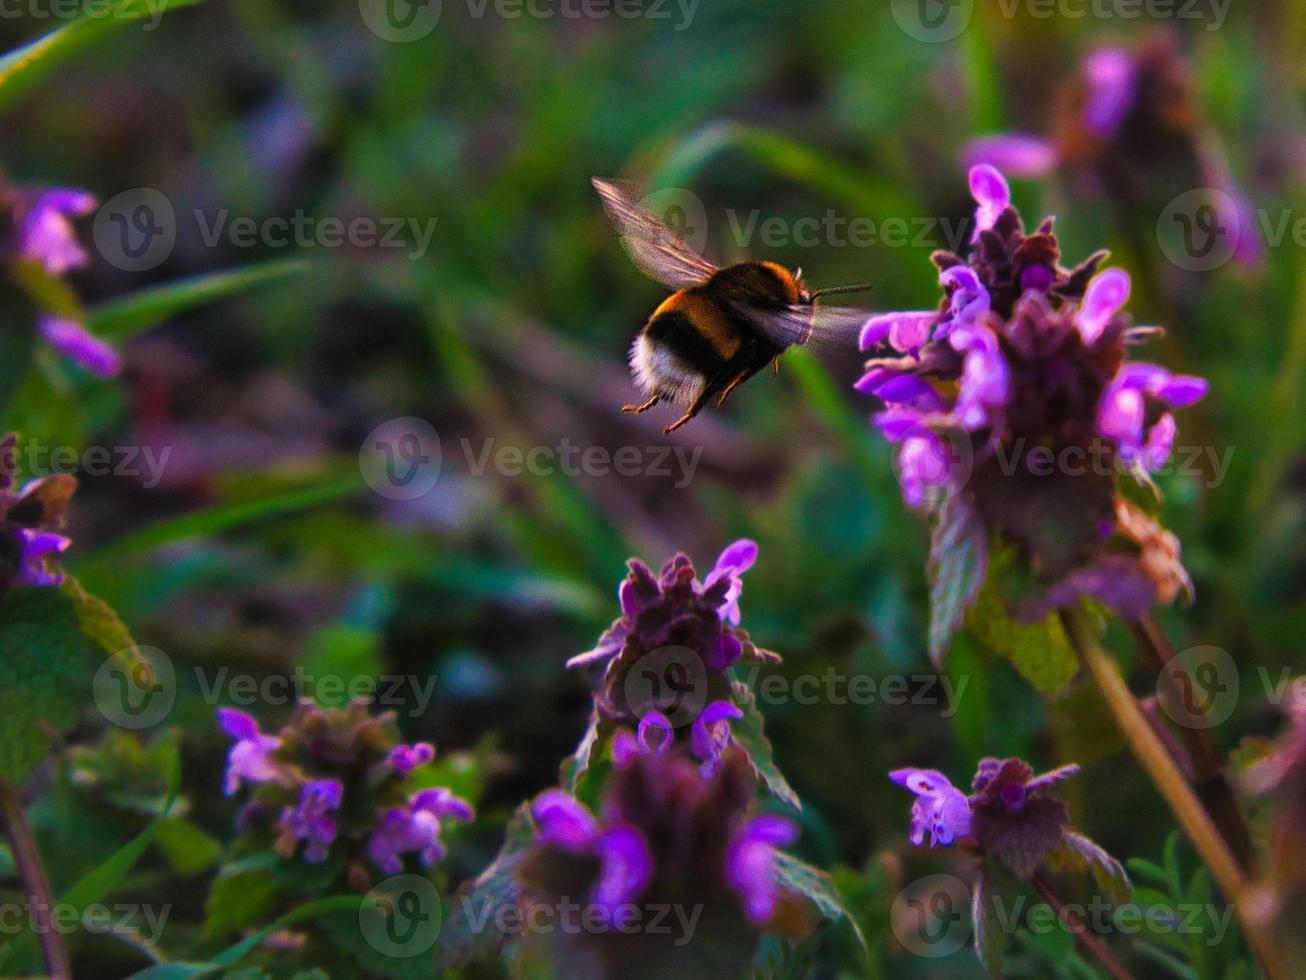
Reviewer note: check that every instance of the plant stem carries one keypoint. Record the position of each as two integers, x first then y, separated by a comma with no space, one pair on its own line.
1170,783
28,861
1083,935
1212,783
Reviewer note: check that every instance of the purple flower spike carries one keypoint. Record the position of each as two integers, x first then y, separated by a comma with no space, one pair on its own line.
403,759
1105,296
311,821
968,300
992,195
562,821
985,381
251,758
626,868
750,864
940,808
710,735
47,236
1109,73
1019,154
905,331
79,345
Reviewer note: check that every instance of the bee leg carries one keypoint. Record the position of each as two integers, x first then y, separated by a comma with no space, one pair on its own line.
731,387
694,409
637,409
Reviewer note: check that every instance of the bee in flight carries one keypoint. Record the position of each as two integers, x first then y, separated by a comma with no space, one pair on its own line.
720,326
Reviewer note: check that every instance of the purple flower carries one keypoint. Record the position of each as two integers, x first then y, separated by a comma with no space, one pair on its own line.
46,235
940,808
252,757
654,735
1020,154
1110,77
750,864
30,523
1028,361
673,609
403,759
415,828
311,819
36,547
78,344
1136,395
625,861
711,734
992,195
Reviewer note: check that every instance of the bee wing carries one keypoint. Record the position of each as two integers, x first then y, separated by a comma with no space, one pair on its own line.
833,328
658,251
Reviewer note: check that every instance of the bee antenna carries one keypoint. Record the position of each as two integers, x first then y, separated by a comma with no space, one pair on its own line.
859,287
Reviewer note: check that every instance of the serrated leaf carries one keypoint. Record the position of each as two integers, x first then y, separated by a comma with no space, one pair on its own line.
747,732
1081,855
796,876
100,624
464,936
148,308
26,66
1040,651
575,768
45,679
957,567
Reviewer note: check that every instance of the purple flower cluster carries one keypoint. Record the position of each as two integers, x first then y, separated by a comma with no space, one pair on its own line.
1011,816
31,519
36,233
332,775
665,829
1014,399
674,609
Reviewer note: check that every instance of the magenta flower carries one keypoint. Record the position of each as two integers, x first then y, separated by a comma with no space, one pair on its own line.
940,808
403,759
79,345
415,827
311,820
750,864
654,735
673,609
1020,410
252,758
625,860
46,234
710,735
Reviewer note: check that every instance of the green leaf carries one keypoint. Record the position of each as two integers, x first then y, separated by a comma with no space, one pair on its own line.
576,767
1079,854
188,848
17,341
148,308
28,65
100,624
1040,651
464,937
45,676
234,954
986,928
747,731
958,553
796,876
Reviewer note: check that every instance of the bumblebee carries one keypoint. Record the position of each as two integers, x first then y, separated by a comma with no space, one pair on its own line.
721,325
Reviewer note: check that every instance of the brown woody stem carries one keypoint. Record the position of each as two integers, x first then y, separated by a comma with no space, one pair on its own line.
1212,783
1147,747
27,859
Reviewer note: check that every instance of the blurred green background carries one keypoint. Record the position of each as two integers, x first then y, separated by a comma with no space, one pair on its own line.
261,547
